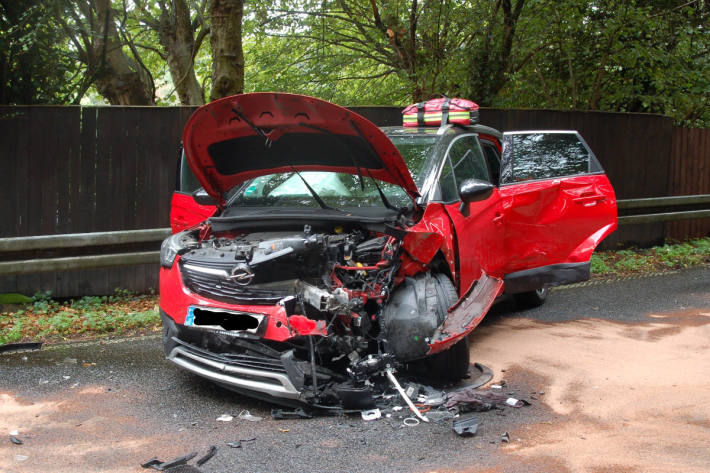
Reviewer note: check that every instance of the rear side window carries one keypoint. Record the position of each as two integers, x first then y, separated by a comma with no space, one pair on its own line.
545,155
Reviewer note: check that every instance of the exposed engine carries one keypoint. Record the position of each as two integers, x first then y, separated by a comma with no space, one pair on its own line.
342,278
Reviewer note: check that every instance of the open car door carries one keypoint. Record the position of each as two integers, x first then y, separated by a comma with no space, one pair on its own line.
184,211
558,205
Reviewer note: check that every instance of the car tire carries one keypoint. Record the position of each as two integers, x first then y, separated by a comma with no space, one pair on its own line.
451,365
531,299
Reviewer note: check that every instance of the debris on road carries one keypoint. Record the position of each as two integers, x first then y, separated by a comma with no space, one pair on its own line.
21,458
468,399
505,437
204,459
15,440
238,443
465,426
225,418
298,413
372,414
156,464
246,415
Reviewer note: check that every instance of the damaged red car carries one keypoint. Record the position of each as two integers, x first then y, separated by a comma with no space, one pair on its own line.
320,250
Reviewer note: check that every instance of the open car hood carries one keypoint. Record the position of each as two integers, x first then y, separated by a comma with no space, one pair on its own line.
245,136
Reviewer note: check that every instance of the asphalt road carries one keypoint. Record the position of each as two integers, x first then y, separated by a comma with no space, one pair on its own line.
110,406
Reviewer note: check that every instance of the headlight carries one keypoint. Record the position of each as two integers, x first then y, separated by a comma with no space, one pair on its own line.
170,249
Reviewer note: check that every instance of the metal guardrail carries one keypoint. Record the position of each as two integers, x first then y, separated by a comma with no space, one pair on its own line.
78,240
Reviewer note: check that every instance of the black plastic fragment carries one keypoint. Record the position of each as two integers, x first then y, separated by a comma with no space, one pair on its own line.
152,462
355,397
465,427
178,461
27,346
297,413
207,456
15,440
156,464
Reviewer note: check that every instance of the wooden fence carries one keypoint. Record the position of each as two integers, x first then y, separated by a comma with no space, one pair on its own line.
90,169
689,174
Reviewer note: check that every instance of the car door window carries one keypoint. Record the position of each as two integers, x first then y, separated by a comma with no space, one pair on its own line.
447,184
493,158
545,155
467,160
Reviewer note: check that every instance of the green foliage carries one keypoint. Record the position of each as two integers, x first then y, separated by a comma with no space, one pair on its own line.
650,56
659,258
45,318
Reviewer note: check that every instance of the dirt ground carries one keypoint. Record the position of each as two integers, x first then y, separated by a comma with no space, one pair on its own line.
624,398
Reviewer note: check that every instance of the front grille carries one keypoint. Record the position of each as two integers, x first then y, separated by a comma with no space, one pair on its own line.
240,360
220,288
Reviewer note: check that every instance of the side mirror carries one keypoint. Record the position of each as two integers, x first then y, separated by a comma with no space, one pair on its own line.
474,190
203,198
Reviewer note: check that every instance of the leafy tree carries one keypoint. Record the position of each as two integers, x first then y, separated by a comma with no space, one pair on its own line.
35,67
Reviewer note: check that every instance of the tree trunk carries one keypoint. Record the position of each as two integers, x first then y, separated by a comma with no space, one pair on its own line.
226,42
118,78
177,38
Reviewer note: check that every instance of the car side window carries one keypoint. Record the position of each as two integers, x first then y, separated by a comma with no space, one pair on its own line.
467,160
447,183
493,158
545,155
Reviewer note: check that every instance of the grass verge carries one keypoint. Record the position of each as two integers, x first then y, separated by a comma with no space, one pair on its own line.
647,260
45,319
42,318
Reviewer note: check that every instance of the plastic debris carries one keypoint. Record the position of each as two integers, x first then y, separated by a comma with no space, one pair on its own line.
156,464
14,432
505,437
21,458
468,399
397,408
371,414
204,459
410,421
225,418
298,413
465,427
15,440
238,443
284,431
246,415
496,386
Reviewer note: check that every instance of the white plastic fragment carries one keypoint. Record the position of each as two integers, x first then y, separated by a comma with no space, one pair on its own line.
410,421
496,386
66,377
21,458
246,415
397,408
372,414
225,418
14,432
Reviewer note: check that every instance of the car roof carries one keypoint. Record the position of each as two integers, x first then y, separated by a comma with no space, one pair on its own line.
431,130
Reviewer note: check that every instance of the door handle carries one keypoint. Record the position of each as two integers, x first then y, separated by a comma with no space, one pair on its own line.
590,200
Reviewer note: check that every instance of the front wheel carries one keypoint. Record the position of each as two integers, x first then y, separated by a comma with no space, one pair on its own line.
531,299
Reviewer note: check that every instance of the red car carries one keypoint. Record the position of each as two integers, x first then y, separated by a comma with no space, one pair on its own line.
334,248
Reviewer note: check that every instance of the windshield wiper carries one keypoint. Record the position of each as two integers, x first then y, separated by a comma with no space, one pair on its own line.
382,194
316,197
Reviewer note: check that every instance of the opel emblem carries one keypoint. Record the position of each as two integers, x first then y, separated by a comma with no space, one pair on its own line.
241,274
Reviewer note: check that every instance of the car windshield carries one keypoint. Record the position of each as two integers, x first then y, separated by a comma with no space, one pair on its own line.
415,149
334,188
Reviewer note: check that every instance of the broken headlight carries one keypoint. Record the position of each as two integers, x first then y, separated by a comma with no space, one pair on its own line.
170,248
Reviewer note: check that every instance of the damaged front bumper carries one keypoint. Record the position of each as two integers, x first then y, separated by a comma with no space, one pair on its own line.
247,365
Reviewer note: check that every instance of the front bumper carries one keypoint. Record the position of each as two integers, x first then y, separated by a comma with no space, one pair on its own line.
260,375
